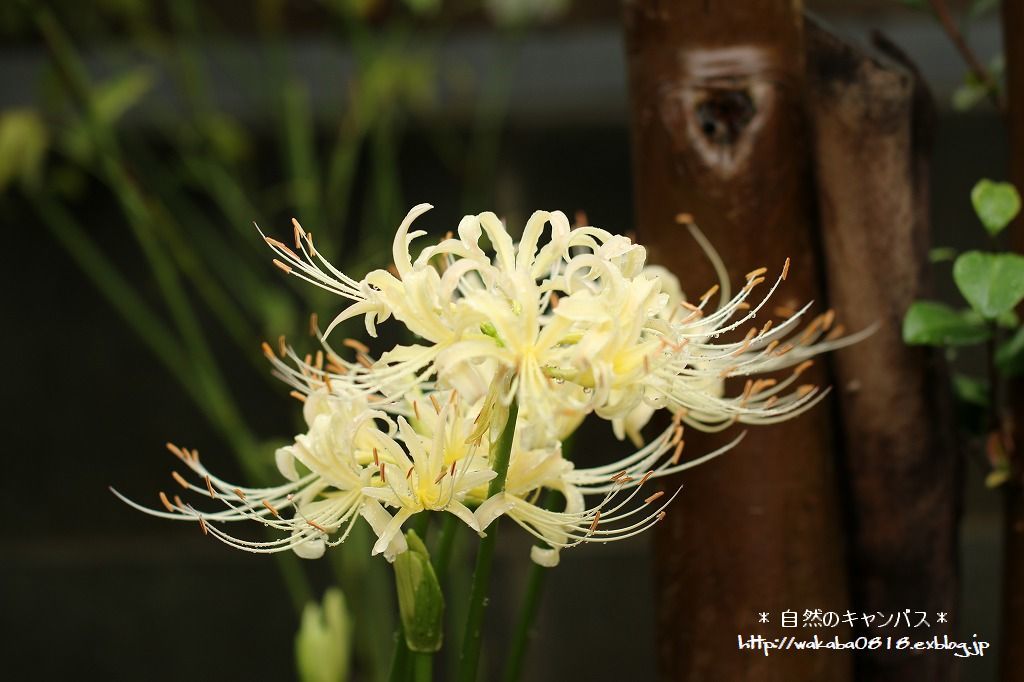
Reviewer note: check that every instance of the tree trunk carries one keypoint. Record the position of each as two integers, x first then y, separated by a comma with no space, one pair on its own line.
719,132
1013,552
901,473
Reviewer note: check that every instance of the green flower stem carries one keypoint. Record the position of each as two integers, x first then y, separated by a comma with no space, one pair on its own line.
528,610
527,614
469,661
534,592
400,659
443,556
370,594
423,667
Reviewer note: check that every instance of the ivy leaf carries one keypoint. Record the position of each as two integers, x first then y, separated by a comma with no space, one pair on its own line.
969,94
928,323
1008,320
970,390
1010,354
996,203
941,254
993,283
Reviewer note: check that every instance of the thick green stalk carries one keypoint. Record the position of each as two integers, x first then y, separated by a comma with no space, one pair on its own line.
443,555
528,610
534,591
371,595
527,614
470,658
400,659
423,667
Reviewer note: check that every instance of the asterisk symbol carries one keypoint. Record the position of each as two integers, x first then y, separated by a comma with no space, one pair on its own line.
942,616
764,617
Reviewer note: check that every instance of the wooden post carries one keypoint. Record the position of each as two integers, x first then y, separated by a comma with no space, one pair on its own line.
719,131
899,463
1012,658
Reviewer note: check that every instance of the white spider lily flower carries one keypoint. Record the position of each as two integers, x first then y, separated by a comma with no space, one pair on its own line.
445,464
354,462
620,512
325,500
688,373
580,321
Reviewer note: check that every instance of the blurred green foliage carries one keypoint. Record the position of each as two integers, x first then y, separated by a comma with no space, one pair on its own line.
992,284
190,179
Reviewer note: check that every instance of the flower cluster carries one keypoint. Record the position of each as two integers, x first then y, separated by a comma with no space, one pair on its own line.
568,322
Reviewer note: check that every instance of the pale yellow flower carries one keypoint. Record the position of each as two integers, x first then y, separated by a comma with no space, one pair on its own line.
580,321
622,510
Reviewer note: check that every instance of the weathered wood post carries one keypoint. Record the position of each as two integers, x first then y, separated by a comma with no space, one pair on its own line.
1012,659
720,132
871,124
734,105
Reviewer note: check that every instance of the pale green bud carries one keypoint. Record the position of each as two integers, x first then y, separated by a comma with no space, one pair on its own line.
420,601
323,643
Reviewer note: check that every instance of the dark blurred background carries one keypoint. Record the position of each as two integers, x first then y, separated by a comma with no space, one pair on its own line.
139,291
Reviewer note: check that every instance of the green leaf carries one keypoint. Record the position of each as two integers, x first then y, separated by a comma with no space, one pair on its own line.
942,254
928,323
23,144
993,283
523,12
1008,320
1010,354
423,7
116,96
227,139
980,8
996,203
997,477
970,390
969,95
420,600
323,644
